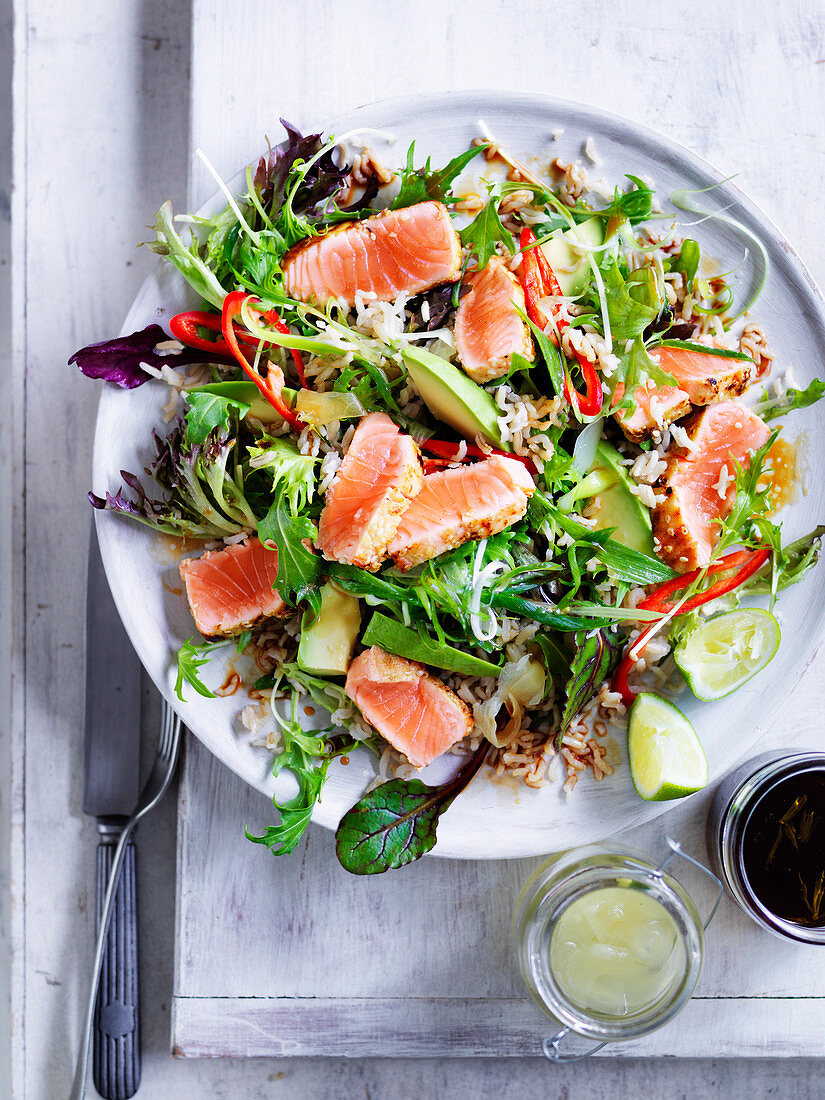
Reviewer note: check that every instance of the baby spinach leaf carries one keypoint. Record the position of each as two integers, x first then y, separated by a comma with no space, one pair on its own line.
395,824
597,655
485,230
207,411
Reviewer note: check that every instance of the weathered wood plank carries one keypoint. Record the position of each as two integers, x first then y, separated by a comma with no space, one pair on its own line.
425,1027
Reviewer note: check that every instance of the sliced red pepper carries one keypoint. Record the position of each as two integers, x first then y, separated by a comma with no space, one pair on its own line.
450,451
270,386
531,280
744,562
272,318
184,327
539,280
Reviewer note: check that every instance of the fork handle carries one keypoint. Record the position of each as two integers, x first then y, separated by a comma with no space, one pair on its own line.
116,1034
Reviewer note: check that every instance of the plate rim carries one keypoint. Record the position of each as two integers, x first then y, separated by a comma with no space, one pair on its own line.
414,105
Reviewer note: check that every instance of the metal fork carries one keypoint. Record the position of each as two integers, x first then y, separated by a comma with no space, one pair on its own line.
153,790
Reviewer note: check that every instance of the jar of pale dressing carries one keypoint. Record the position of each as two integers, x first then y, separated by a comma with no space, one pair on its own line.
609,943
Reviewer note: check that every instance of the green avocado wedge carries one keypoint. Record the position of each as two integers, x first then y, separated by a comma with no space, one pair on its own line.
328,638
569,263
454,398
396,638
618,507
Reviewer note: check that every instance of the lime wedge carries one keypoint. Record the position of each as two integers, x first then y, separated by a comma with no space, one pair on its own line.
726,651
666,757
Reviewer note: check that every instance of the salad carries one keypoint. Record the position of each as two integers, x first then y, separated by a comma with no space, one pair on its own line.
474,460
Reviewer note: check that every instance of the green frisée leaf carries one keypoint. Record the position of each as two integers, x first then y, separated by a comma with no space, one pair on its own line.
292,473
207,411
421,184
625,564
395,824
192,656
769,408
169,243
299,569
597,655
485,231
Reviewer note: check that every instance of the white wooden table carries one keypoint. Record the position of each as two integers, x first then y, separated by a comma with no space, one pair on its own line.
101,105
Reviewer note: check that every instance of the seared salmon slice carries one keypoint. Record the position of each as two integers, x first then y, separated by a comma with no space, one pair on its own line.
379,475
413,710
699,483
704,378
654,409
232,589
394,252
468,502
488,328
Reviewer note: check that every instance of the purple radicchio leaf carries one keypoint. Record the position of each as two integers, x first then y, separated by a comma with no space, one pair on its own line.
119,360
323,180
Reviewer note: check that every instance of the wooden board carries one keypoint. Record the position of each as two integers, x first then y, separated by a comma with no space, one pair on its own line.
294,956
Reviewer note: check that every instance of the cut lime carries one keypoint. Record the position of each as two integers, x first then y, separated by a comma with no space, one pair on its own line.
726,651
666,757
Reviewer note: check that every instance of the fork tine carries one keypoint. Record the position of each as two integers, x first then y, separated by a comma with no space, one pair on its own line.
170,724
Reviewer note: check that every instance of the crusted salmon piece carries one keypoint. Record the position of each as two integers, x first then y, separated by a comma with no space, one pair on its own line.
379,475
469,502
488,328
232,589
654,409
394,252
408,706
703,379
706,378
699,483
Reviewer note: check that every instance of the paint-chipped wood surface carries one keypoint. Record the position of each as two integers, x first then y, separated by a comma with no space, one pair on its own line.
102,110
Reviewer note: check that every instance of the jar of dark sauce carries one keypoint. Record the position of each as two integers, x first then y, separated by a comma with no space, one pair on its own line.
766,841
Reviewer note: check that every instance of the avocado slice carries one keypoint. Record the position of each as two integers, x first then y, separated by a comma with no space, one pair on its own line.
328,638
618,507
569,263
396,638
249,394
453,397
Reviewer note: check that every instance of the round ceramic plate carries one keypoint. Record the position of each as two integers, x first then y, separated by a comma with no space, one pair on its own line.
493,818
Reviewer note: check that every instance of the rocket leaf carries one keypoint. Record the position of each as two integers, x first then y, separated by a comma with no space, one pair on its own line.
421,184
485,230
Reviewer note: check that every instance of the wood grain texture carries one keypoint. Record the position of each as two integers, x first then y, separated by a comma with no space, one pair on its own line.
101,124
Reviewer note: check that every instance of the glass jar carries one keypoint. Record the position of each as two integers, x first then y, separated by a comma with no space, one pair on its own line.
732,812
572,879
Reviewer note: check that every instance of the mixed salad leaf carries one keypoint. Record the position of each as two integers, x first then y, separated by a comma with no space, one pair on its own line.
267,414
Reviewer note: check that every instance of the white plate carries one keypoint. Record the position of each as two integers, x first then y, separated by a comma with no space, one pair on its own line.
492,819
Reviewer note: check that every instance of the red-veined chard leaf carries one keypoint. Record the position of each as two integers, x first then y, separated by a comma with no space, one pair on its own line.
598,652
395,824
